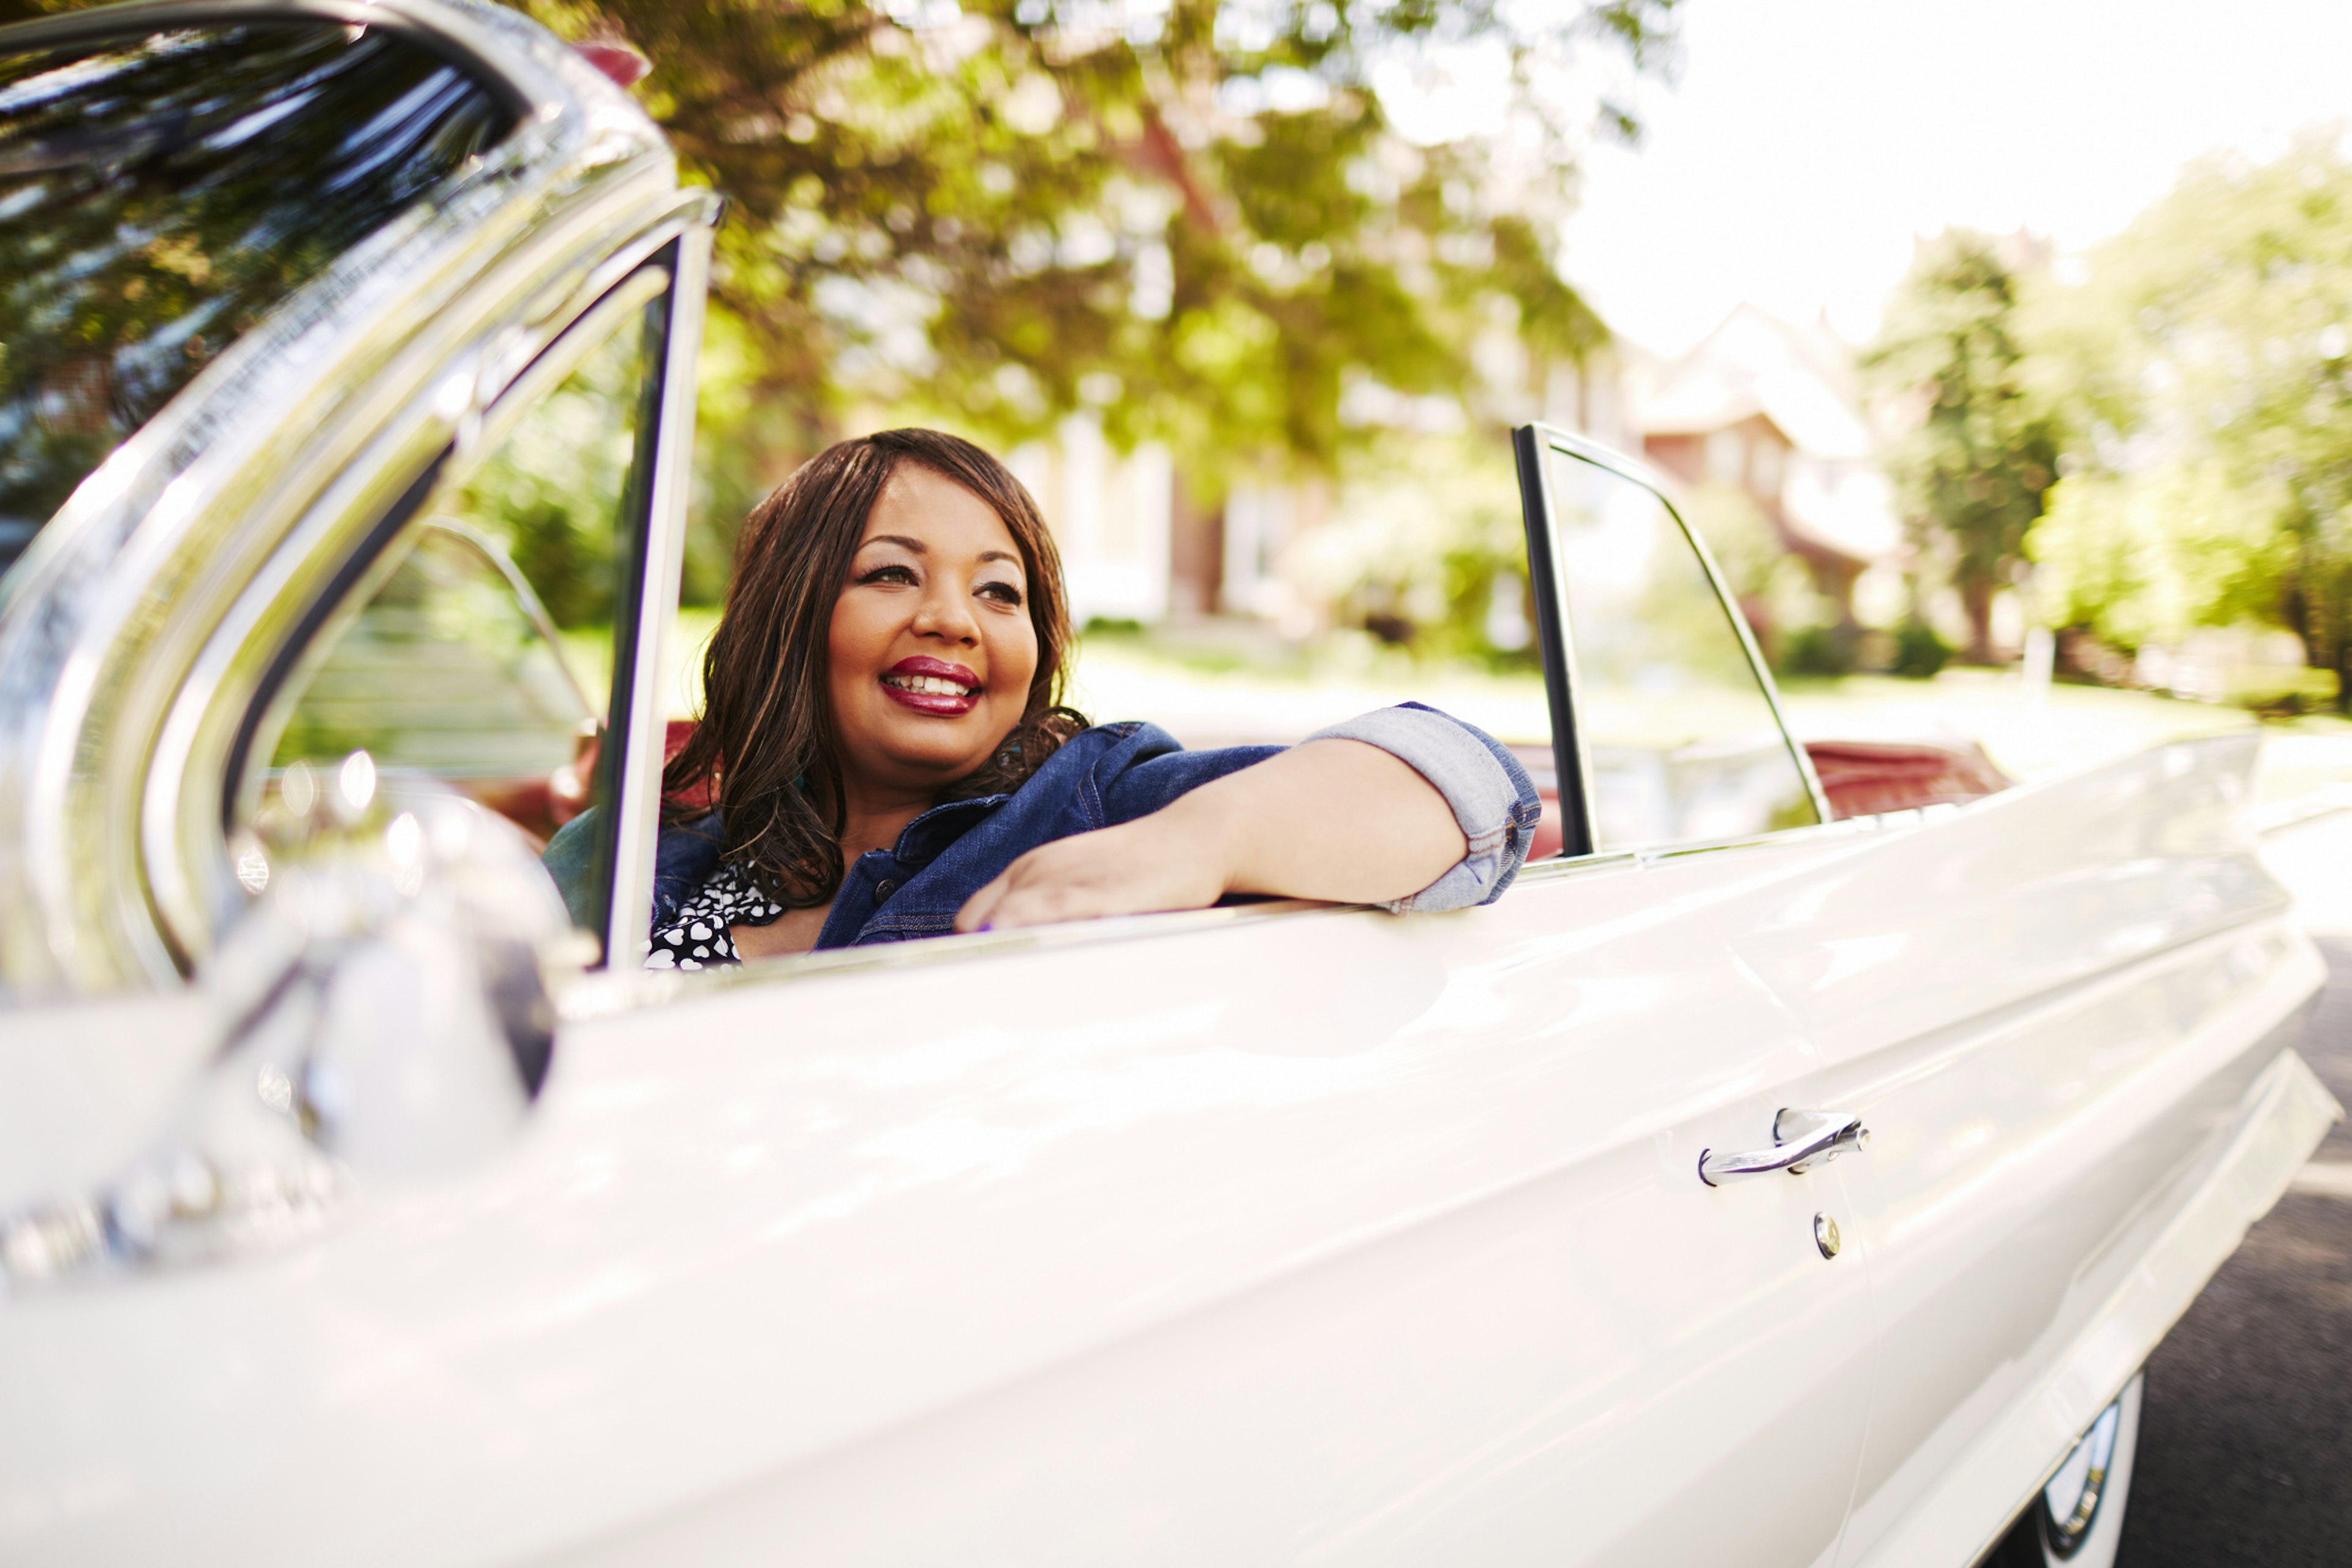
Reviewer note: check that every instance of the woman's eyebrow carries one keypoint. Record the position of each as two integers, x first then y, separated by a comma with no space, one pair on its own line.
917,546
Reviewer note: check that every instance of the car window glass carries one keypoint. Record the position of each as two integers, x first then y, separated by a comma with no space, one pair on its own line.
160,193
1680,741
476,653
447,672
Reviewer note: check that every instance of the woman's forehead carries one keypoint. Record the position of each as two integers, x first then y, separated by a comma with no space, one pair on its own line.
932,515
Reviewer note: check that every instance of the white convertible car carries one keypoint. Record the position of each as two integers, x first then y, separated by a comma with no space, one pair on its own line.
1775,1176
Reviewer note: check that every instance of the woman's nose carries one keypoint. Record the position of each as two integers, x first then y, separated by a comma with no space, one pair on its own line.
944,613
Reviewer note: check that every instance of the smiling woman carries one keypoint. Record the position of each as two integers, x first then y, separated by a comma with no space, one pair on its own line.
887,756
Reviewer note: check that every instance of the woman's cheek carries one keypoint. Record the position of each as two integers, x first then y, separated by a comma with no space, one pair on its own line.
1018,663
858,636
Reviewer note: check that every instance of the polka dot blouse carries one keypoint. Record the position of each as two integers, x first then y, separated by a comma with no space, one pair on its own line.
697,937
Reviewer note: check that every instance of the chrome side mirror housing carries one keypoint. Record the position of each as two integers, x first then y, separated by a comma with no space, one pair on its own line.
383,1012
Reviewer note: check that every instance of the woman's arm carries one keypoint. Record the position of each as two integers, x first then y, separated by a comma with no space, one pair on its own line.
1338,820
1403,806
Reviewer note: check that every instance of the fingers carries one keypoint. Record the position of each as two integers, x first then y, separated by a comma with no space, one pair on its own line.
1112,872
976,908
1044,904
986,909
1031,895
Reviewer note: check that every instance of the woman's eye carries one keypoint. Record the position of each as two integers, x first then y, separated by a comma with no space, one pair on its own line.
1003,593
888,574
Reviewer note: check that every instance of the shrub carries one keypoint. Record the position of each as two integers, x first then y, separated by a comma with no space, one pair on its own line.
1817,650
1919,653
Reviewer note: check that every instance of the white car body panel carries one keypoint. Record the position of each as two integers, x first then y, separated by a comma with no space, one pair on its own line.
2052,1053
1429,1202
1254,1237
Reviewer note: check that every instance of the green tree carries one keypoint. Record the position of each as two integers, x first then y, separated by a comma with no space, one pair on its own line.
1208,221
1973,468
1198,216
2206,350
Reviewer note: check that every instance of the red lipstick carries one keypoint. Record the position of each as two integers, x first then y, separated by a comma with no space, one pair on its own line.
933,686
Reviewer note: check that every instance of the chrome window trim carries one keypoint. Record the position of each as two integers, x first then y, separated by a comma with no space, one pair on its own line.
330,561
184,858
1555,642
104,615
636,782
281,596
1530,443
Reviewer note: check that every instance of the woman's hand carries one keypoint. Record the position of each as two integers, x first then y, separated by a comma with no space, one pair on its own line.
1160,862
1335,820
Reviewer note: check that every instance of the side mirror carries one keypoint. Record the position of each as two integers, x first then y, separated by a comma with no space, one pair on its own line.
383,1012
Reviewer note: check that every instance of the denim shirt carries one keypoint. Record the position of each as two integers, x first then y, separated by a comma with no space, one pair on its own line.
1100,777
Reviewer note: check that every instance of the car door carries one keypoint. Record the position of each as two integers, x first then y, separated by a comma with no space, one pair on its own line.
1294,1236
1256,1234
2067,1015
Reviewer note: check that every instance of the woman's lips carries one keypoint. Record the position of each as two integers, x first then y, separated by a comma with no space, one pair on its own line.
933,686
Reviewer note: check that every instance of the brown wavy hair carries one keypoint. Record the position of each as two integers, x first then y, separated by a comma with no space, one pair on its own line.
765,752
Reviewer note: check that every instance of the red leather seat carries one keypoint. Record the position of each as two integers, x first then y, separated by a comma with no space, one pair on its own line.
1862,778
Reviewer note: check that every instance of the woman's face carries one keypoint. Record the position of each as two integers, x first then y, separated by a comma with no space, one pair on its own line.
933,649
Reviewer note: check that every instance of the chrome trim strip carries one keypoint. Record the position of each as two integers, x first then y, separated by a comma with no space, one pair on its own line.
627,936
183,853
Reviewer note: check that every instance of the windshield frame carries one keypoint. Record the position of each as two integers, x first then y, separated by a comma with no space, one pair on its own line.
131,249
104,615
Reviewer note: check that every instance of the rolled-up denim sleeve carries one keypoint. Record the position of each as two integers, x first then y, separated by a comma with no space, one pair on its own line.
1493,801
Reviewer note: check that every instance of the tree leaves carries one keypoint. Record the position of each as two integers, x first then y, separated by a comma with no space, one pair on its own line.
1973,466
1010,207
2207,347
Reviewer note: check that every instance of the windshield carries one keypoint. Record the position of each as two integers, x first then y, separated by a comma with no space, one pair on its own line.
161,193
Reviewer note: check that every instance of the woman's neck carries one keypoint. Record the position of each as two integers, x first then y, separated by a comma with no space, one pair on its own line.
873,820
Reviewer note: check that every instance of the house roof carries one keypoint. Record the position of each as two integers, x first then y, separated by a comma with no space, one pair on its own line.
1803,381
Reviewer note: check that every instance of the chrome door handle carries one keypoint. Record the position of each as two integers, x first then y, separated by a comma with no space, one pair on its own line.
1802,1140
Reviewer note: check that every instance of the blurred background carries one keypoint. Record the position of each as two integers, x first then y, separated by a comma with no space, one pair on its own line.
2003,353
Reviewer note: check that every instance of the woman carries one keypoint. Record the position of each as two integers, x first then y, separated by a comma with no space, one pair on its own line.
883,741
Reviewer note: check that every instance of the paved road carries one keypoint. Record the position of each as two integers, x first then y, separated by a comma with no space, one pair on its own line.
2245,1449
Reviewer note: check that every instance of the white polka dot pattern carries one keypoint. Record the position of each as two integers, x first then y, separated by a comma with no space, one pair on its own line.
698,936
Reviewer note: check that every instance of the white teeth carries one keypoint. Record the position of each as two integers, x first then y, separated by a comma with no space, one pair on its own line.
928,685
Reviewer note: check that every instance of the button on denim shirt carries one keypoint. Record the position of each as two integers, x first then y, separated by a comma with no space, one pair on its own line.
1101,778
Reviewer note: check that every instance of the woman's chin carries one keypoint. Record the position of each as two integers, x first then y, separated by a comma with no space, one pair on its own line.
941,750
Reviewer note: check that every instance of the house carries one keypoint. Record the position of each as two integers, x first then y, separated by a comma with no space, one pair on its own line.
1774,411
